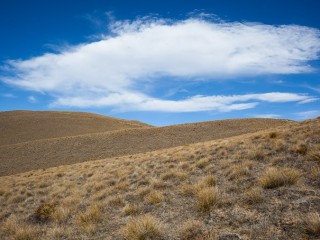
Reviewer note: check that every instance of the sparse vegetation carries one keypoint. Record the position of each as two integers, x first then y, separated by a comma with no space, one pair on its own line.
191,229
131,209
207,199
154,197
45,212
252,186
143,228
253,196
277,177
312,224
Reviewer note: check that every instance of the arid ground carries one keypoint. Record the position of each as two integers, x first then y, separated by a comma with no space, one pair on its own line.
83,176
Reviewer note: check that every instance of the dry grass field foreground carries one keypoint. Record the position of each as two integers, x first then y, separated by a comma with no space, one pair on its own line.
264,185
23,126
44,153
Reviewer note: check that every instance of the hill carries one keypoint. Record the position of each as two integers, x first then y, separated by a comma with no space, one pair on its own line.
262,185
23,126
45,153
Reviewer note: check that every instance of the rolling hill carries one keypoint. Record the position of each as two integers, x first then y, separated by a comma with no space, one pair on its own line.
50,152
259,185
23,126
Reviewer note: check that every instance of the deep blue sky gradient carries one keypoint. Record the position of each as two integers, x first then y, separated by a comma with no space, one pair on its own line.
34,27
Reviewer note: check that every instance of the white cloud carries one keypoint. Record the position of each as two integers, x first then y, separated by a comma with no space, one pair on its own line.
139,102
308,114
268,115
32,99
108,72
8,95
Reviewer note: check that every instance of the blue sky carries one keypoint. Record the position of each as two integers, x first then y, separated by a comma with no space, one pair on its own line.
162,62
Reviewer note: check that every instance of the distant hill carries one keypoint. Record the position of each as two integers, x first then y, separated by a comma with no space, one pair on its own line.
23,126
71,149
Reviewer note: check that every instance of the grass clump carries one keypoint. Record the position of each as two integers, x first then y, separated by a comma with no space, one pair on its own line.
207,198
144,227
253,196
19,230
131,209
190,229
154,197
45,212
273,135
89,218
209,180
277,177
312,224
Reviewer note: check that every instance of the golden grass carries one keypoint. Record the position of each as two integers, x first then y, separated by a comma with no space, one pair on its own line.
131,209
89,218
315,173
143,228
20,231
312,224
253,196
154,197
277,177
190,229
107,199
207,199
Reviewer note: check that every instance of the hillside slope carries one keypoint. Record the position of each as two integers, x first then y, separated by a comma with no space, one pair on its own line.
22,126
45,153
263,185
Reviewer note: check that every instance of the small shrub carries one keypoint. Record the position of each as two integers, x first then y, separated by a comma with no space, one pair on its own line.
312,224
207,198
190,229
144,227
45,212
277,177
273,135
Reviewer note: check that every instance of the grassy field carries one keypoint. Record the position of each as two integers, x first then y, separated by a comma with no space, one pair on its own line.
51,152
23,126
262,185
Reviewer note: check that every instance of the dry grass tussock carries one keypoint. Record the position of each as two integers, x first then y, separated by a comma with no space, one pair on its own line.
255,186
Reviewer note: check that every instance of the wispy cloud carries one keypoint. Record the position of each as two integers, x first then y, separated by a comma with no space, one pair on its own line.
108,72
308,114
267,115
8,95
32,99
138,102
